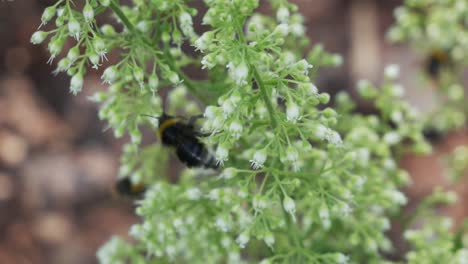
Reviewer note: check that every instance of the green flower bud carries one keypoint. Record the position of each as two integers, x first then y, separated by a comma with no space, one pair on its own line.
76,83
38,37
48,14
88,13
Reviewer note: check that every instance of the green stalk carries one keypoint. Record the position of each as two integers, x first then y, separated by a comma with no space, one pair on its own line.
261,85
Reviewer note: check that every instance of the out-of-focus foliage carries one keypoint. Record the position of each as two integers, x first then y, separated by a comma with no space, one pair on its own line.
438,29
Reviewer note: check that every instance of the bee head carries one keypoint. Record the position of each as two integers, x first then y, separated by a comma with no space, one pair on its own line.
164,117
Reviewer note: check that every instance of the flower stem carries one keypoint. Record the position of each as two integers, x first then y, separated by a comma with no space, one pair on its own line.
263,92
259,81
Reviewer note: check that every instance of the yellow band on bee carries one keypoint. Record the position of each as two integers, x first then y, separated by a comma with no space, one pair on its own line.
166,124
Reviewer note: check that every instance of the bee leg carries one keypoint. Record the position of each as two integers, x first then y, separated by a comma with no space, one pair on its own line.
200,134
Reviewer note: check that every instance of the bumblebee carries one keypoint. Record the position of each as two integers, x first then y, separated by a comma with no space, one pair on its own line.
437,60
126,188
180,134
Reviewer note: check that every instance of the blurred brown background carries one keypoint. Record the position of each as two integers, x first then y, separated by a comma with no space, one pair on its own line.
58,166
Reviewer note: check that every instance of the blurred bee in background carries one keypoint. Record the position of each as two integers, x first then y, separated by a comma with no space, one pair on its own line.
437,60
126,188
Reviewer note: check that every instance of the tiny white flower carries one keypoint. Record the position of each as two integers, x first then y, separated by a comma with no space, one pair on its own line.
88,13
323,212
261,110
143,26
211,112
282,29
242,193
76,83
398,90
292,112
228,173
292,156
320,131
345,209
217,123
239,73
288,58
186,24
392,71
360,182
153,82
110,75
94,59
47,15
234,257
222,224
202,42
333,137
173,77
100,47
228,108
193,193
398,197
185,19
341,258
269,239
214,194
290,207
304,66
221,155
309,88
74,28
389,164
139,75
392,138
60,12
38,37
73,54
226,242
55,47
63,65
259,159
297,29
397,116
178,223
243,239
282,15
236,129
363,155
259,203
171,251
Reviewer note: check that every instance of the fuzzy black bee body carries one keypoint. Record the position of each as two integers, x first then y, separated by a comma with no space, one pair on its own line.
436,61
125,187
181,135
